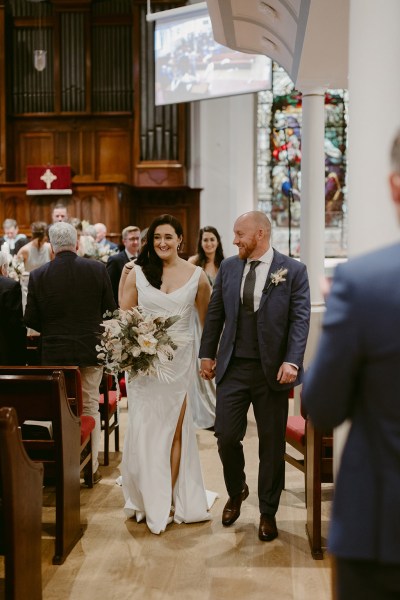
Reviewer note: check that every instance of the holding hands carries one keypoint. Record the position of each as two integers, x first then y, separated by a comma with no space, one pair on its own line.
207,368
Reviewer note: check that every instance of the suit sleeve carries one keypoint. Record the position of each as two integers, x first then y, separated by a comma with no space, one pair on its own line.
114,271
328,390
214,322
108,301
299,318
32,315
15,329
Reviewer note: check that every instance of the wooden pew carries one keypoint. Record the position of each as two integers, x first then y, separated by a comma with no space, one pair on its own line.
316,462
44,397
319,469
21,513
73,386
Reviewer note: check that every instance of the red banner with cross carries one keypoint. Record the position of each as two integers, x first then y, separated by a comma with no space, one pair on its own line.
49,179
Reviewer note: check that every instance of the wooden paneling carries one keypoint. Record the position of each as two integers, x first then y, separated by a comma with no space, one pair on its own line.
96,149
113,156
34,149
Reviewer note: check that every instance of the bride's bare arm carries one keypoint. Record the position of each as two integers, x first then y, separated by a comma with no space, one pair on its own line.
203,297
125,272
129,296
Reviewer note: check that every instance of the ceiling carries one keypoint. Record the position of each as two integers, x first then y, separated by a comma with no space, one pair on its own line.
308,38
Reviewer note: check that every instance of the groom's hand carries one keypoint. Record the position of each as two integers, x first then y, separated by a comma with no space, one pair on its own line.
287,373
207,368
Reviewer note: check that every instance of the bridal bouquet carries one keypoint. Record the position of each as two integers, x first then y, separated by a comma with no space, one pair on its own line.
139,343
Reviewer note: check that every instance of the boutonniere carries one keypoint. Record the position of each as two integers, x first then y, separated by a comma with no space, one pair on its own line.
277,277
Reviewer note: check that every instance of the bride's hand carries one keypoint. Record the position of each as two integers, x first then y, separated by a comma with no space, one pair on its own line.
207,368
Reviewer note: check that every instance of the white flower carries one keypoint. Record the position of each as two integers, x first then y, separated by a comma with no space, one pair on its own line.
148,343
278,276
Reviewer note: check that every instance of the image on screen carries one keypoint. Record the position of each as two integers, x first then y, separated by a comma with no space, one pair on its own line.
191,65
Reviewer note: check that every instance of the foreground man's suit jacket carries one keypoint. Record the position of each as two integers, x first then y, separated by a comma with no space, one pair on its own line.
356,375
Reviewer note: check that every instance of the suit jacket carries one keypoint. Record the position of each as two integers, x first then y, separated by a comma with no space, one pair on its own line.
12,329
355,375
67,298
282,318
114,266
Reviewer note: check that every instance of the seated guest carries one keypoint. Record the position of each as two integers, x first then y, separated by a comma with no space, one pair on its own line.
12,329
14,239
115,264
101,236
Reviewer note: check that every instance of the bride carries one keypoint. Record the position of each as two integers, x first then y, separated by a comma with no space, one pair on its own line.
161,474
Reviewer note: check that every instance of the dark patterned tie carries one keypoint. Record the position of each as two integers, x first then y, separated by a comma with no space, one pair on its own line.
248,287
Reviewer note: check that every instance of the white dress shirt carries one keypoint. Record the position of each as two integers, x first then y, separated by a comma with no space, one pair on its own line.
261,272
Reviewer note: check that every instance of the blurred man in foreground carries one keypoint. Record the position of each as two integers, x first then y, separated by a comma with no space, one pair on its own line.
355,376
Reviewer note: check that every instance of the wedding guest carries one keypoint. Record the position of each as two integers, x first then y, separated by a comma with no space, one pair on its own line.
35,253
202,393
253,341
209,252
101,236
354,376
88,246
115,264
12,329
67,299
60,213
129,265
14,240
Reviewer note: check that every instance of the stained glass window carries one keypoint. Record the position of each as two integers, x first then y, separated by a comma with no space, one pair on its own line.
279,119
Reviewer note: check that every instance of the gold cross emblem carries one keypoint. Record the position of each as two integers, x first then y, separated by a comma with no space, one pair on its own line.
48,177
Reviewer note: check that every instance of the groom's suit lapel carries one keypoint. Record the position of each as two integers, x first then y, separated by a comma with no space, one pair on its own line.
236,282
277,262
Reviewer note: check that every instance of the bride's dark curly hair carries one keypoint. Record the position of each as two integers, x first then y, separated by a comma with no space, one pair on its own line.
151,263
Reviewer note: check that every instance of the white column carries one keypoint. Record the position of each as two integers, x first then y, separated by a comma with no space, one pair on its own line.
374,117
223,147
312,249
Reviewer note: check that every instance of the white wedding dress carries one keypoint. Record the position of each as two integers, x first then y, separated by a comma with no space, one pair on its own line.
153,409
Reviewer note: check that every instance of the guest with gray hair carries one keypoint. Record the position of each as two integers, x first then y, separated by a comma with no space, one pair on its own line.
67,299
12,329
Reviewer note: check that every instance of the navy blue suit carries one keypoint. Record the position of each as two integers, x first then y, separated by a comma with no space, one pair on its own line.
67,298
355,375
282,323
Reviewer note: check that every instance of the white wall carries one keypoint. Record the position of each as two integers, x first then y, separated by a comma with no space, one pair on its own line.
222,161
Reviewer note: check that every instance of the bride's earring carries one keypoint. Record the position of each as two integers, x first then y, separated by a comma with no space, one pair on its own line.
178,247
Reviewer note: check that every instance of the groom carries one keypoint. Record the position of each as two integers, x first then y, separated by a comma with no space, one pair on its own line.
261,306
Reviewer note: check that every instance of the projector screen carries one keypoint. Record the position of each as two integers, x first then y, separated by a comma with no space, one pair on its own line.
191,65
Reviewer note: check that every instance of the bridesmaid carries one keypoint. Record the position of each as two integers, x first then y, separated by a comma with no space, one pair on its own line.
202,394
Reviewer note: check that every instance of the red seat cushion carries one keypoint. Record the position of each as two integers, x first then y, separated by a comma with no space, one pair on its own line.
87,425
112,401
296,429
122,387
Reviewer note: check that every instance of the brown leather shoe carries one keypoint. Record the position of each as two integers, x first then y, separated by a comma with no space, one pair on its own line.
267,530
232,507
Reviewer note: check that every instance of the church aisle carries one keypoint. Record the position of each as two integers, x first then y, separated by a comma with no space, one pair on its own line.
119,559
